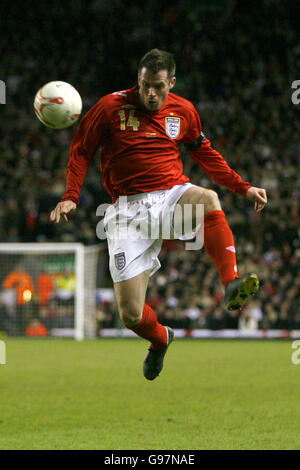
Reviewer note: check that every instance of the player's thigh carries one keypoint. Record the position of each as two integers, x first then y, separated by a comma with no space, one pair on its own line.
198,195
130,297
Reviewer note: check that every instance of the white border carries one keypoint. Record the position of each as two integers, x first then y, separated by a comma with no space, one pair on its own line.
38,247
195,334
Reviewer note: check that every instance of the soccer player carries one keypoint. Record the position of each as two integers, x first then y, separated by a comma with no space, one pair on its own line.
138,132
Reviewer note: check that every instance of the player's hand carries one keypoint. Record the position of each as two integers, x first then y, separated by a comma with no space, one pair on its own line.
258,195
61,210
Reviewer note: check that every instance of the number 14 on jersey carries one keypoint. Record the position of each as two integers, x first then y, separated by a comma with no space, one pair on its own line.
131,122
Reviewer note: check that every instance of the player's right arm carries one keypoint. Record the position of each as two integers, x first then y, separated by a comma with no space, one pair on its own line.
61,210
90,134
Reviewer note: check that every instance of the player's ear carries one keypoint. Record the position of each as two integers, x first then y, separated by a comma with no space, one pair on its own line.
172,82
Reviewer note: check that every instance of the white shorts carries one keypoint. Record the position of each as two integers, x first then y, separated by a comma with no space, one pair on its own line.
129,254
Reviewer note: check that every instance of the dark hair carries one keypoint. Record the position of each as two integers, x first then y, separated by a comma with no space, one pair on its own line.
156,60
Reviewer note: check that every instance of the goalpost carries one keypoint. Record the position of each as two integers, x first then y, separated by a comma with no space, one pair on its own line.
49,289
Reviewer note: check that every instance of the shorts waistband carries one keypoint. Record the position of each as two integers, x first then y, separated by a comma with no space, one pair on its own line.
139,196
152,194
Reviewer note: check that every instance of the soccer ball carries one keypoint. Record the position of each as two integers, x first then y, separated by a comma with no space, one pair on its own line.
57,105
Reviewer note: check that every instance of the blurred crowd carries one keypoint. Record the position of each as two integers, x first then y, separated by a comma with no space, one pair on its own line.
237,66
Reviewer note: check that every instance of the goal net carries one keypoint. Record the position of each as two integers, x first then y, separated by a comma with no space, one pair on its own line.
49,289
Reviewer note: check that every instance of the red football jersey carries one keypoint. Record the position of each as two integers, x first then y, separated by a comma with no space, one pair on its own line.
140,149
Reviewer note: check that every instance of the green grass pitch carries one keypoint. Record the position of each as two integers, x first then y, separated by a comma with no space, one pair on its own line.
212,394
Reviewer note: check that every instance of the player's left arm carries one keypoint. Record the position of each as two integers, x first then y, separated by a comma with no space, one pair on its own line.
259,196
216,167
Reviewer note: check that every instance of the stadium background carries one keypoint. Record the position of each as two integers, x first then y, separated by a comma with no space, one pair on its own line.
236,65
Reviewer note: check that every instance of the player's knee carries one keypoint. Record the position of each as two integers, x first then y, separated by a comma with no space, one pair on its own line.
130,313
211,201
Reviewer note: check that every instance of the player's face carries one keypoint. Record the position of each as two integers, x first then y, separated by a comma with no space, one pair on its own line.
154,88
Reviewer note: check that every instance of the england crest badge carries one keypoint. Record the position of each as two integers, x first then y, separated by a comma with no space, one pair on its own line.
173,127
120,260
